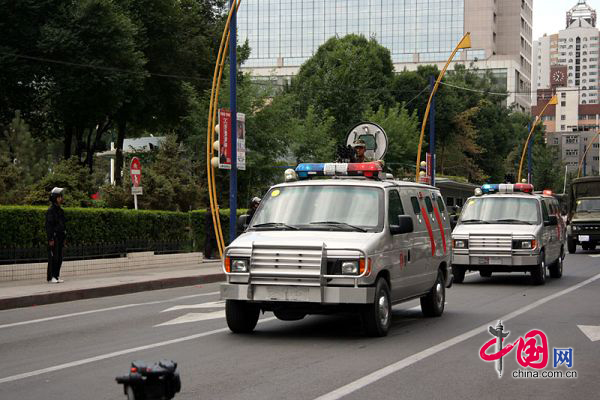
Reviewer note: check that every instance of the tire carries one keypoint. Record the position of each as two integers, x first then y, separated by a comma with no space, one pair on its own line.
485,274
556,269
377,317
538,275
433,303
241,316
285,315
458,273
571,245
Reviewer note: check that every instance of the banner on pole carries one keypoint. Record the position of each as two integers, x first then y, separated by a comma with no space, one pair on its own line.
225,140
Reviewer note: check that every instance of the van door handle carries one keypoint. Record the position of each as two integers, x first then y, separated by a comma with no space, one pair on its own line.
408,256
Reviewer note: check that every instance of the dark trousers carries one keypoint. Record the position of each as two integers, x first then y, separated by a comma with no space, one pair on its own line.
55,258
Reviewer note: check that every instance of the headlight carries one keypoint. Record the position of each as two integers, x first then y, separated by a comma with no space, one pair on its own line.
234,265
461,243
575,228
350,268
524,244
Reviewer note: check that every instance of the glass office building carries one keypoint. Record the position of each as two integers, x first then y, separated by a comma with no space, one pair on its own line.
288,32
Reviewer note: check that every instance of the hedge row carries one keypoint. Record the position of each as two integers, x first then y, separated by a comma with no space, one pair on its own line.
23,226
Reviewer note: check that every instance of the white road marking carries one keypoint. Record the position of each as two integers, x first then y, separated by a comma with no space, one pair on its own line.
77,314
408,361
592,332
594,255
212,304
115,354
194,317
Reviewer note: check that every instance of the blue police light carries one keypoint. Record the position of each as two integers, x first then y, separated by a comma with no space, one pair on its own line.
304,170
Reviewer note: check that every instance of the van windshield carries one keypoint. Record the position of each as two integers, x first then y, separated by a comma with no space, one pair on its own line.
501,210
344,208
588,205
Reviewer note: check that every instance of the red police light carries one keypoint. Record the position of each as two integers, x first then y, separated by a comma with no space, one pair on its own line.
547,192
523,187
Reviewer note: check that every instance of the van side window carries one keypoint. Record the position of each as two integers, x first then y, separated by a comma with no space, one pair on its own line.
395,207
545,211
440,203
428,204
415,204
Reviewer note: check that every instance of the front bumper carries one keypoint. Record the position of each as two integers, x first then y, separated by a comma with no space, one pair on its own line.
495,261
592,237
304,294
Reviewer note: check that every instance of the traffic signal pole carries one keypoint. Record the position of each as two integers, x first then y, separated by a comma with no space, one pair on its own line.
233,108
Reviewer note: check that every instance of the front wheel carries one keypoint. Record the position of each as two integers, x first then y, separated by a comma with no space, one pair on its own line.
377,317
241,316
571,245
459,274
432,304
538,275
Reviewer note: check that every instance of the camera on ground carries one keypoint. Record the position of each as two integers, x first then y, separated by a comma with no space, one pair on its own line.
158,381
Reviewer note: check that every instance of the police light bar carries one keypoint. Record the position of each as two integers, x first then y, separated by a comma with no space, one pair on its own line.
368,169
507,188
547,192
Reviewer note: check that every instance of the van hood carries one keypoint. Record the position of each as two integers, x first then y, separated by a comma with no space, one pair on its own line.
593,216
494,229
338,239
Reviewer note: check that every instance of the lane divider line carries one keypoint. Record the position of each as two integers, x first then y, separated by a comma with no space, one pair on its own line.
408,361
77,314
101,357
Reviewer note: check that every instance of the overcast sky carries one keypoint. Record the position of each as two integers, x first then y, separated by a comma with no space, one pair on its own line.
549,15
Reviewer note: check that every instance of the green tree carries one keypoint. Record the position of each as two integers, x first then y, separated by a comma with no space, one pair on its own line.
345,78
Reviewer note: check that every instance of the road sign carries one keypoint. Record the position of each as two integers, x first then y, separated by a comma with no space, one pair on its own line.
137,190
135,171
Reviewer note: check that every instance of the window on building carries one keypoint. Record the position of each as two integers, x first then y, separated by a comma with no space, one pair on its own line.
563,117
562,127
571,139
563,103
571,152
563,95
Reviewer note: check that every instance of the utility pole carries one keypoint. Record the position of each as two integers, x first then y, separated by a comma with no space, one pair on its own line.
529,146
233,107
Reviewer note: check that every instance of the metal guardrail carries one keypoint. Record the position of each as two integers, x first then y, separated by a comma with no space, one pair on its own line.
15,255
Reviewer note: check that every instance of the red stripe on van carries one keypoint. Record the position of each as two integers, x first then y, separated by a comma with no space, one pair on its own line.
428,224
439,219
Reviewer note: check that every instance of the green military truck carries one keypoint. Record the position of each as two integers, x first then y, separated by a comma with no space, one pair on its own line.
584,214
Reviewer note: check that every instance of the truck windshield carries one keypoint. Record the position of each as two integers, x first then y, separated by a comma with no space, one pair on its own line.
588,205
343,208
501,210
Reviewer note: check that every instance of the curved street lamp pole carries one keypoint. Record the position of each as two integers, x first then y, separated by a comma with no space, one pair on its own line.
552,101
589,146
465,43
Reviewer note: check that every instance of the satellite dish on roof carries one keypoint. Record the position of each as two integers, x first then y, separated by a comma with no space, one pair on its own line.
374,137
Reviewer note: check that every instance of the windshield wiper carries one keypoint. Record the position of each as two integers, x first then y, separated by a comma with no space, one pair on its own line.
340,224
510,221
473,221
275,225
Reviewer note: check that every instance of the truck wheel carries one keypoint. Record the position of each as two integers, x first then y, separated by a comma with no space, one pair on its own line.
459,274
432,304
377,317
285,315
538,274
571,245
485,274
241,316
556,269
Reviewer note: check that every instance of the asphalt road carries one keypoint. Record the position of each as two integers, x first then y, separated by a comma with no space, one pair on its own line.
74,350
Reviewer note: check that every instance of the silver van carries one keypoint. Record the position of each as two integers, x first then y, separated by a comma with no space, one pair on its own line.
507,228
342,244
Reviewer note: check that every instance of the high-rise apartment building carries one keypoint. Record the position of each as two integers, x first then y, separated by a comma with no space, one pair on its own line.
567,64
283,34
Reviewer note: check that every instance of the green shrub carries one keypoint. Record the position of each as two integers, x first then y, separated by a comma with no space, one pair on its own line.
198,225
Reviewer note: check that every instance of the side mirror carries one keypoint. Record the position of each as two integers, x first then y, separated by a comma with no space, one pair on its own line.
405,225
242,222
552,220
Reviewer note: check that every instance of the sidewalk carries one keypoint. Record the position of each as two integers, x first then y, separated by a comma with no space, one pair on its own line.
25,293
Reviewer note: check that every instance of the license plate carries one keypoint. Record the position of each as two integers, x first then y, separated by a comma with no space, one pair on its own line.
495,260
584,238
288,293
484,260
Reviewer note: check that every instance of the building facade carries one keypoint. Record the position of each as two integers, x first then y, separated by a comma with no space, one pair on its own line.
283,34
567,64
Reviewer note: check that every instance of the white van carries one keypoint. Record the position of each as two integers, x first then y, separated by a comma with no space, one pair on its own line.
353,242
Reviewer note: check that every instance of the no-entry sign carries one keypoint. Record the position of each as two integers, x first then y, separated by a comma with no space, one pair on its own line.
135,170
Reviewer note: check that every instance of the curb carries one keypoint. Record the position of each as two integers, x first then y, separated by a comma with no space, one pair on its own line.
104,291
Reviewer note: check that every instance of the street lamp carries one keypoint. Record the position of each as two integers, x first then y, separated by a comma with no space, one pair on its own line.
552,101
465,43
